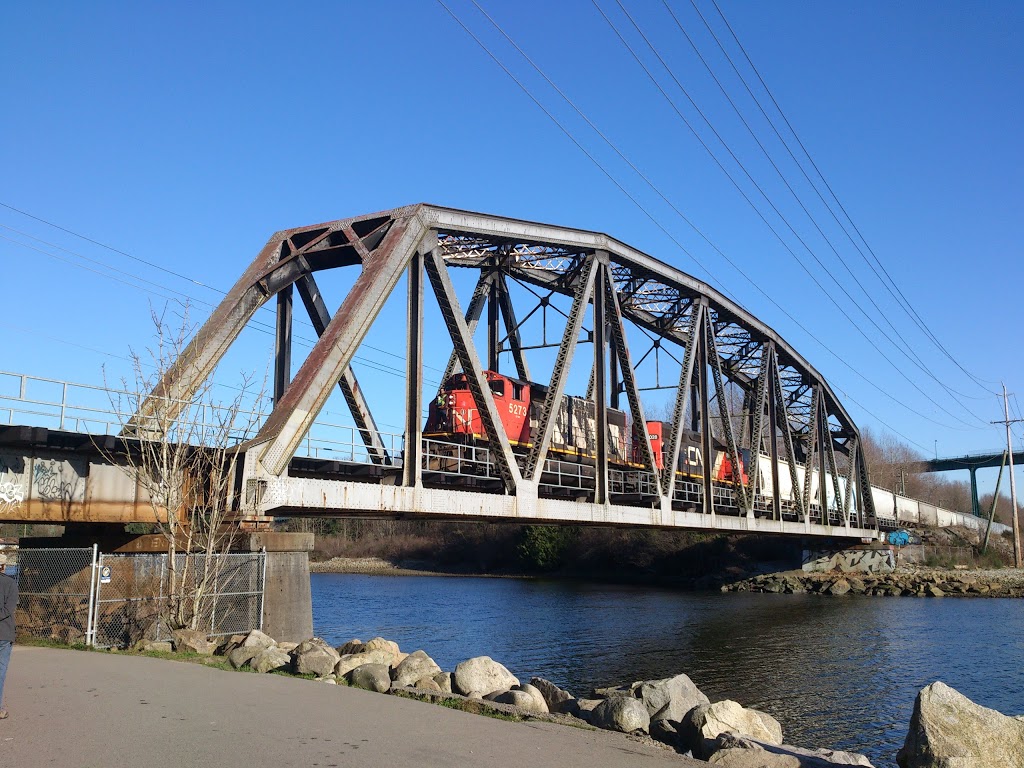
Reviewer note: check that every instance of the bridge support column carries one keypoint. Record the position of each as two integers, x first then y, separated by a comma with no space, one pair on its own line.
287,598
975,504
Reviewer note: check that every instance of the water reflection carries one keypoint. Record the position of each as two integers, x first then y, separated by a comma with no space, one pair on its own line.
839,672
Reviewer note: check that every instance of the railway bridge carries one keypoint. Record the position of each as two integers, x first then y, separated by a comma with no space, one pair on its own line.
749,436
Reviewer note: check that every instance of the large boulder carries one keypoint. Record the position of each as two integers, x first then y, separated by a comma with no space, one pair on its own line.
153,646
413,667
581,708
671,698
242,656
528,701
554,697
192,641
482,673
948,730
444,681
270,659
258,639
371,677
352,646
732,751
621,713
380,644
347,663
428,684
314,657
702,725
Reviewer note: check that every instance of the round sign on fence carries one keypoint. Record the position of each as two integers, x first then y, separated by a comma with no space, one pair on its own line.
105,574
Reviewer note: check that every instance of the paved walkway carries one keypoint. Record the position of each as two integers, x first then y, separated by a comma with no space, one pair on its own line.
94,710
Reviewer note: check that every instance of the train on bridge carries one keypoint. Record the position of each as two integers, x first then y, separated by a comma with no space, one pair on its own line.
457,444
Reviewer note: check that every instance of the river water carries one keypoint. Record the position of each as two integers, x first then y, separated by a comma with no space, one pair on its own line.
837,672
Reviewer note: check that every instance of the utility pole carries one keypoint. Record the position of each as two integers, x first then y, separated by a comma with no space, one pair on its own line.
1013,482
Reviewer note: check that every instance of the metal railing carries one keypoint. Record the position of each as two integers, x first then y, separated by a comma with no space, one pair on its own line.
91,409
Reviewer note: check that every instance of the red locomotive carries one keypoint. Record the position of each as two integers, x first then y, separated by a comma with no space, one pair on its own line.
454,418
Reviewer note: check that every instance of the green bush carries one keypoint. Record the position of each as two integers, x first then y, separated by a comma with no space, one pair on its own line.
544,546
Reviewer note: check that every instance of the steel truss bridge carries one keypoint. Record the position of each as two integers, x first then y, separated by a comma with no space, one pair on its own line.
738,385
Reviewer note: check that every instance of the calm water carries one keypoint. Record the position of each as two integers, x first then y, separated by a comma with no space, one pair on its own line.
838,672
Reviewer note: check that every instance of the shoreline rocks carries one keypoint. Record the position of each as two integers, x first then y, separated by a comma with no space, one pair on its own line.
901,583
946,728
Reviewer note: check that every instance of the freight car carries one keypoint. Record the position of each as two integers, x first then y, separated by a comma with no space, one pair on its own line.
456,442
454,421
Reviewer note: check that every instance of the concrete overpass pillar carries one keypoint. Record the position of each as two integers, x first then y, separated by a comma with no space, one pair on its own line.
975,504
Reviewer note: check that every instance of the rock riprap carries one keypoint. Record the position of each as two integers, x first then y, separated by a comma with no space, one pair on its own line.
947,729
671,698
315,657
371,677
898,584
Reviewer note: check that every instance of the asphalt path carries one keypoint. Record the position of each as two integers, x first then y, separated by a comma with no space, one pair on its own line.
76,709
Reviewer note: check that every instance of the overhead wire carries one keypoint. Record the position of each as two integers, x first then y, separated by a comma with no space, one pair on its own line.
894,290
255,324
659,192
904,346
764,219
191,298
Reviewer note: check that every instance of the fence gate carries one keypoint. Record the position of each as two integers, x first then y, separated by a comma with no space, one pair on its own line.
55,591
108,600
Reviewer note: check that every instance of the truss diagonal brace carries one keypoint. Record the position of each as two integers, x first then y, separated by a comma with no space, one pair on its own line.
473,312
812,434
723,409
787,433
628,379
675,439
309,292
760,402
462,340
294,414
556,390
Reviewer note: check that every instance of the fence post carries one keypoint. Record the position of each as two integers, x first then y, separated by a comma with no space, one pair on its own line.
263,582
218,564
90,625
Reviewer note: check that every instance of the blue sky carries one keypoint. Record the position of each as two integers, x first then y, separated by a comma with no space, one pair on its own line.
186,135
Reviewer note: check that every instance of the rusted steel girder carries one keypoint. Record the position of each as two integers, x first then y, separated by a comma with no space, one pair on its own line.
787,394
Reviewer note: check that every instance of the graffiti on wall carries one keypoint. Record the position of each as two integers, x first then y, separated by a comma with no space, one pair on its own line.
47,480
13,488
854,560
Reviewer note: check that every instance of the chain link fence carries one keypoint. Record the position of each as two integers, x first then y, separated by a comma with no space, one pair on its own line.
113,600
55,587
224,593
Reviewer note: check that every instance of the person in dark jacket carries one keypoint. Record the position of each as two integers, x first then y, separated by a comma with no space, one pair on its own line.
8,602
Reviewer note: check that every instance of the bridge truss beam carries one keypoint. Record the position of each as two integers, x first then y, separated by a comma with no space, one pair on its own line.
799,447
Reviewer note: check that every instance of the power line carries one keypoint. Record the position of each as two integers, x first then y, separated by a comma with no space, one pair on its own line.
898,294
746,197
255,325
575,141
906,348
155,266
